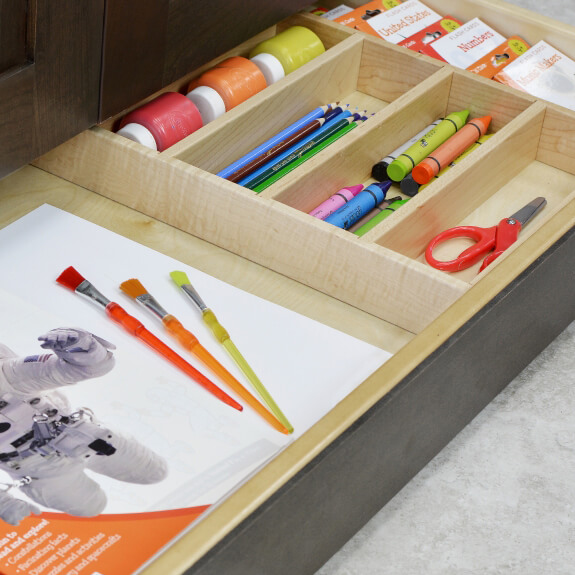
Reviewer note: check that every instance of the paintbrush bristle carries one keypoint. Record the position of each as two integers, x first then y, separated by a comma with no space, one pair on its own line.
180,278
133,288
70,278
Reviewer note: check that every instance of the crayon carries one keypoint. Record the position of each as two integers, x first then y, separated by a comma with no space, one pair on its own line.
373,213
318,112
379,170
450,149
474,146
312,151
408,159
409,186
318,138
276,150
335,201
356,208
385,213
245,181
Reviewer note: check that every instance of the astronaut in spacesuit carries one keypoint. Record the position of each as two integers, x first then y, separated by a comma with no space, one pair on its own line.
46,446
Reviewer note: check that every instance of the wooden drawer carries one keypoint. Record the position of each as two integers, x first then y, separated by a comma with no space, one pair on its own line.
294,513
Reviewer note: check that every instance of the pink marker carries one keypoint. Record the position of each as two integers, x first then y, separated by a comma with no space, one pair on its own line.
335,202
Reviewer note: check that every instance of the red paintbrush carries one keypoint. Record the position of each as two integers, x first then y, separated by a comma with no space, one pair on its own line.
72,280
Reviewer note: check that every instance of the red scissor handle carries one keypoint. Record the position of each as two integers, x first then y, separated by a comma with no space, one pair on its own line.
498,237
507,233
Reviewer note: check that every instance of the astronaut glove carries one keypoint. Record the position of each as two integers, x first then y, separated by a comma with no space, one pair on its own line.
77,346
13,510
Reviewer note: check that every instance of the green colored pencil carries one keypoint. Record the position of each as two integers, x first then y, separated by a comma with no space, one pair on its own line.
322,136
306,156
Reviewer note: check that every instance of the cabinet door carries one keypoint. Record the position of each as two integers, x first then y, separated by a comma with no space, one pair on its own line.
50,63
151,44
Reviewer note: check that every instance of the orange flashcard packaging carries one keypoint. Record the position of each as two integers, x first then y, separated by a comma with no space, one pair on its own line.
420,41
358,18
499,57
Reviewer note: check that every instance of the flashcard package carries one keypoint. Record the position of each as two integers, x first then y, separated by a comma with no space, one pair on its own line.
393,23
421,41
493,62
359,17
544,72
467,44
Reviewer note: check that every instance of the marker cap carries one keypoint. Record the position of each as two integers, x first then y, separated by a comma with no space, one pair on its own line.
270,67
138,133
423,172
209,103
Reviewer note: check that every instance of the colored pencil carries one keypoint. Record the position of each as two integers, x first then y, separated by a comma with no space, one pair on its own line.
318,112
261,169
276,150
320,137
343,130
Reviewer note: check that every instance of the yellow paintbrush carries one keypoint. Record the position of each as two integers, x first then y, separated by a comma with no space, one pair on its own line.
181,279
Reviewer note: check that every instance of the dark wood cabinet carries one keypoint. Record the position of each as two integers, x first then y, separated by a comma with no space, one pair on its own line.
150,45
49,75
66,65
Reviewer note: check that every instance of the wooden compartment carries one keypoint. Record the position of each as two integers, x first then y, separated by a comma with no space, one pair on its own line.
439,325
179,187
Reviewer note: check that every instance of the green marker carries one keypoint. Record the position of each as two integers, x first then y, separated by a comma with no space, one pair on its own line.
405,162
386,212
306,156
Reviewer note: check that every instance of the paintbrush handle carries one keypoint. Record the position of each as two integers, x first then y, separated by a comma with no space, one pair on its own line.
241,362
136,328
223,337
185,337
190,342
217,328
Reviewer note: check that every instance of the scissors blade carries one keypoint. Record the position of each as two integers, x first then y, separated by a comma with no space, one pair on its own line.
528,211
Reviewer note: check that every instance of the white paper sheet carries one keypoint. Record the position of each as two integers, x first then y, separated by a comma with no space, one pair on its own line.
307,366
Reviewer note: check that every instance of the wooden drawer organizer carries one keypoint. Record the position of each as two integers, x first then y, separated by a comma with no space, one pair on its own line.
532,153
383,272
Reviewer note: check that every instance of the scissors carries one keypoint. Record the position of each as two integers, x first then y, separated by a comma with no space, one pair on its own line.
498,238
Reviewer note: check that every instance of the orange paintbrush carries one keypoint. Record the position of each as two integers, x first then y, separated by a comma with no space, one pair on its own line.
71,279
136,290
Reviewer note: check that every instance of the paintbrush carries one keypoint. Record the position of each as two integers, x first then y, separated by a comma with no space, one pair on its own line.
73,280
210,319
135,289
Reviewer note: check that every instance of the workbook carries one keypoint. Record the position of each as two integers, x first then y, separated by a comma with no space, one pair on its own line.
84,509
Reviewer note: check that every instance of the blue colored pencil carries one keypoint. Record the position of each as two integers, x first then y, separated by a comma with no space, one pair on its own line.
248,179
262,148
317,138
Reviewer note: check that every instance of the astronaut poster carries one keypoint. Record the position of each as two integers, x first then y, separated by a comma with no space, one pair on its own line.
108,452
